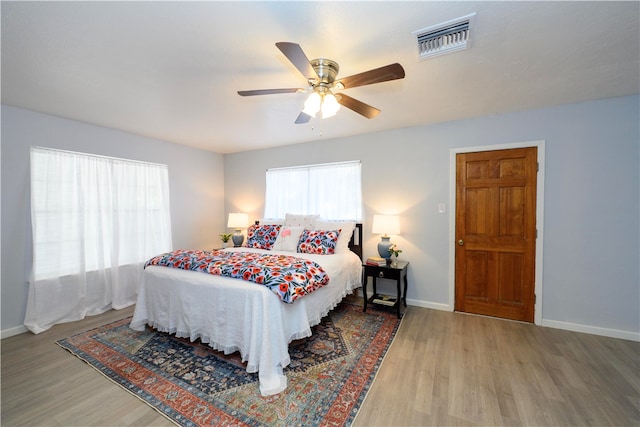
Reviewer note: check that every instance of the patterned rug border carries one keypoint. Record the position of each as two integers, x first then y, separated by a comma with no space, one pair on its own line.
96,365
373,380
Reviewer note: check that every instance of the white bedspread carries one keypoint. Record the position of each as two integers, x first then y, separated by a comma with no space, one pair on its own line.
234,315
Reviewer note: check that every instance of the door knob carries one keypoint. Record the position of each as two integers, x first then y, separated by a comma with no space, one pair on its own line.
461,242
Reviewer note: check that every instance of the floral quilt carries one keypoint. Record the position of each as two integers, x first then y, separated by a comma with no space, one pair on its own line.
288,277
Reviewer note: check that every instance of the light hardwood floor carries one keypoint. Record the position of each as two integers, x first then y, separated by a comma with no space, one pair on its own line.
442,369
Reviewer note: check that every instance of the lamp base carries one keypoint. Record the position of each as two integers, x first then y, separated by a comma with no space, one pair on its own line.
383,247
237,238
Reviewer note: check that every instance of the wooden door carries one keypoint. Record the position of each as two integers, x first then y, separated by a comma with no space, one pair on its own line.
496,233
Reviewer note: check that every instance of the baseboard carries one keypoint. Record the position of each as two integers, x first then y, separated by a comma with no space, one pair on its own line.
594,330
6,333
428,304
567,326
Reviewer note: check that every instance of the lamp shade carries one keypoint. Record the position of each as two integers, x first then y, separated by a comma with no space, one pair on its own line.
238,220
386,224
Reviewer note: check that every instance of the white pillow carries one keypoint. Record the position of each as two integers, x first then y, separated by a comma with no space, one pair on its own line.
306,221
346,228
288,238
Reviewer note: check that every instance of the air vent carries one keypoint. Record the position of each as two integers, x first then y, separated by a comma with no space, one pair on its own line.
444,38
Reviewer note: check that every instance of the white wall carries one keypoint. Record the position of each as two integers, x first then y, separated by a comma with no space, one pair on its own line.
195,180
592,195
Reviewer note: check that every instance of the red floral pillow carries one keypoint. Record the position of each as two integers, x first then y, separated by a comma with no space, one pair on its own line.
322,242
262,236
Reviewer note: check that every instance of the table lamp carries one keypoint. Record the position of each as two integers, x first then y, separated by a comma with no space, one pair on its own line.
385,225
238,221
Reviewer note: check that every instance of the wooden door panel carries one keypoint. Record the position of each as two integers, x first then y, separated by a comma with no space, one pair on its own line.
495,232
510,285
478,169
477,276
512,215
476,222
514,167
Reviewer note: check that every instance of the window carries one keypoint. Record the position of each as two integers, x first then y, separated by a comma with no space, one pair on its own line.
95,221
92,212
332,190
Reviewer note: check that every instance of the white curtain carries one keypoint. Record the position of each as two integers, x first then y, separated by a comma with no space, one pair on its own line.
332,190
95,221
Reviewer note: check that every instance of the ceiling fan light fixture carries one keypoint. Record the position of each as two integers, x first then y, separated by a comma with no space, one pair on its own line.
324,102
312,104
330,105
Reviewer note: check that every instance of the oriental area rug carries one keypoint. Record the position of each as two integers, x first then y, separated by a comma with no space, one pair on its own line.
194,385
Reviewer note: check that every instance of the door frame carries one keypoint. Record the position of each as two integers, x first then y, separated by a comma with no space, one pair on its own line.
537,317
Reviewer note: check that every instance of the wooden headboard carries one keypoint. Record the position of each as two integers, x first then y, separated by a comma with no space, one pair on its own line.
355,244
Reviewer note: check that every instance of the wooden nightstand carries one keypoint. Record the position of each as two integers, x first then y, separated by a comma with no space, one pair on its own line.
399,274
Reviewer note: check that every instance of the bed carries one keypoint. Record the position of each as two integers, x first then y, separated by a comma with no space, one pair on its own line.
233,315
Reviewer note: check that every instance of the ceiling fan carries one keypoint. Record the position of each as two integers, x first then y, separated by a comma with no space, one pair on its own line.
321,77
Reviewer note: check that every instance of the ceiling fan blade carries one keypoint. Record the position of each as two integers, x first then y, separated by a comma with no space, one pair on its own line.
303,118
377,75
268,91
358,106
295,54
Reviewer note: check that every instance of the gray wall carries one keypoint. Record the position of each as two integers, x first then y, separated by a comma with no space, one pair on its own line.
591,254
592,195
195,180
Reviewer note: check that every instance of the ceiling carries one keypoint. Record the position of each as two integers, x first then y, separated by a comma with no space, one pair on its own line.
171,70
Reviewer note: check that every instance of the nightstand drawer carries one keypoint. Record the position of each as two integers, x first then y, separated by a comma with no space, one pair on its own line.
387,273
